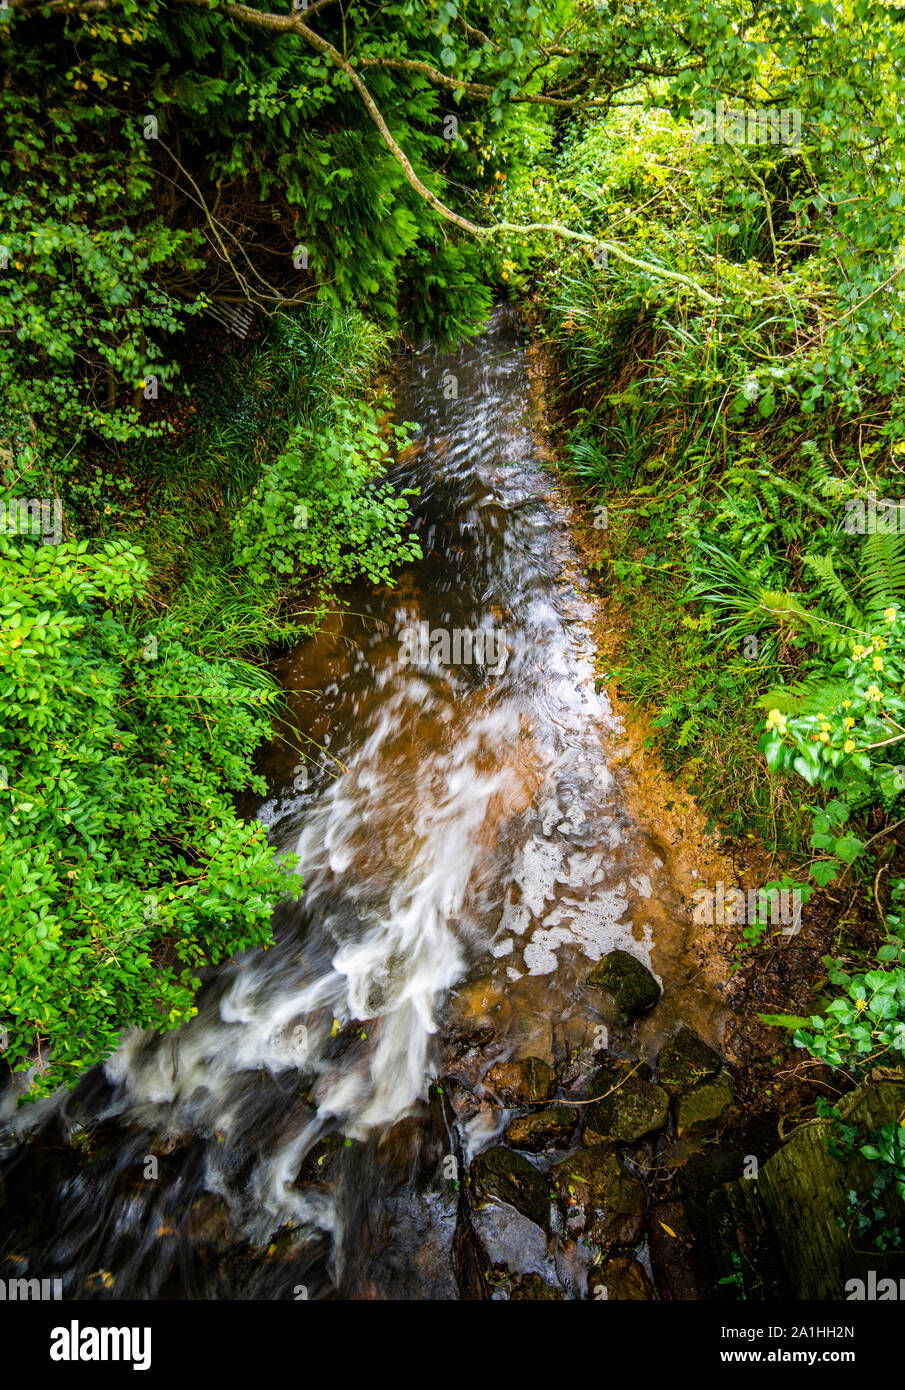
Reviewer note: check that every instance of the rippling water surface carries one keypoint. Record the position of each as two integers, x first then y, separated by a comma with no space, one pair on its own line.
469,849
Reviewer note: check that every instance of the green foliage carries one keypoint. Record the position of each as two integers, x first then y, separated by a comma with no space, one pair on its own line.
318,512
874,1217
849,744
866,1022
125,865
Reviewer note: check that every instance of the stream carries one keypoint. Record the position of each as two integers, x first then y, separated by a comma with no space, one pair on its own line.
472,841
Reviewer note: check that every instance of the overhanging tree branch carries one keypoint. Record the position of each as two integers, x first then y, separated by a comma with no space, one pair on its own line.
295,23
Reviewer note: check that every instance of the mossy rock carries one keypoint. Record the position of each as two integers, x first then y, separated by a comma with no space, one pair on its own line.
544,1129
509,1178
620,1280
629,982
685,1061
600,1197
532,1286
635,1108
521,1081
706,1110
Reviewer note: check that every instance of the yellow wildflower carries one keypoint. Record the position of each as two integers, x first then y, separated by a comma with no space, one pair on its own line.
776,720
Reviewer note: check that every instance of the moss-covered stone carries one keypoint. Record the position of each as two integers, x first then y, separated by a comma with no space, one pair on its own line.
544,1129
706,1110
621,1280
629,982
521,1081
599,1197
532,1286
633,1109
685,1060
509,1178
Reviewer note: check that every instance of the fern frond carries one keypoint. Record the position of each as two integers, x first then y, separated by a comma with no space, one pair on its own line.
882,571
815,696
831,587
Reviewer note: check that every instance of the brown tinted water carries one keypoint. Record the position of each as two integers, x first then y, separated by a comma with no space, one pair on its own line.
475,830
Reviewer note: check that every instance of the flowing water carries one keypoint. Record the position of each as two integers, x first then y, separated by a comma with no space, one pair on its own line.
470,844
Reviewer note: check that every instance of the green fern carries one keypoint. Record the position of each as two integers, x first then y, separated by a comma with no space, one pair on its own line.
818,695
831,587
882,572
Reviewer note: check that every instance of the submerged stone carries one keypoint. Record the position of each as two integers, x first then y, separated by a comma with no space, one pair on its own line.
631,984
685,1060
621,1280
545,1129
321,1162
509,1178
521,1081
532,1286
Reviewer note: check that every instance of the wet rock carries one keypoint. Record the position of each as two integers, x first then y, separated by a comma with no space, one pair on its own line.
621,1280
509,1178
350,1038
629,982
545,1129
209,1222
600,1197
706,1110
407,1150
706,1167
635,1108
466,1105
614,1070
532,1286
470,1259
685,1061
672,1249
521,1081
321,1162
513,1245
